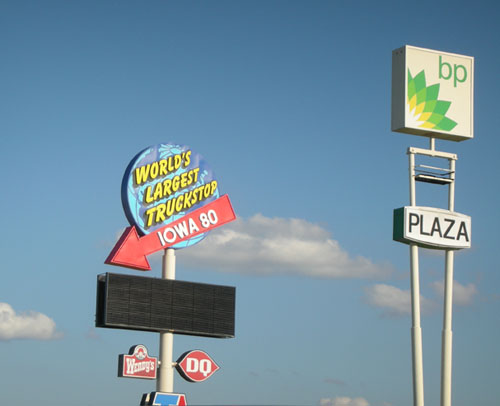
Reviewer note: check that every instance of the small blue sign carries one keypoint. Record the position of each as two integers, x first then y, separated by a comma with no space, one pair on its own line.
163,399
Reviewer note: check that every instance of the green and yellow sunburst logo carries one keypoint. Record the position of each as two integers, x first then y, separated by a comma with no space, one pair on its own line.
423,104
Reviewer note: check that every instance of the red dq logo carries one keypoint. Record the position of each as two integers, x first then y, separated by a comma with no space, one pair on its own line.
196,366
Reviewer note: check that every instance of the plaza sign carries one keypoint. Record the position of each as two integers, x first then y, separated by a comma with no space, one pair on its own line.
432,93
429,227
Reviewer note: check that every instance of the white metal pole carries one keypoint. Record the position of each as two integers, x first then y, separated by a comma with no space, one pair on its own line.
413,198
416,331
447,335
165,380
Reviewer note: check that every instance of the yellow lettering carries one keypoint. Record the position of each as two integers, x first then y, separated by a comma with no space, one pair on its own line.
175,183
160,213
147,195
163,168
158,191
149,213
195,171
187,158
170,166
153,171
194,199
206,190
184,181
170,206
178,203
167,191
200,193
187,200
141,174
177,161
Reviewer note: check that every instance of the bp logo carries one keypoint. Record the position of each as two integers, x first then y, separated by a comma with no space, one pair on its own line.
432,93
424,106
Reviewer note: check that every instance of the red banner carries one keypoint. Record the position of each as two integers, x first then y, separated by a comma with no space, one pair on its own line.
131,250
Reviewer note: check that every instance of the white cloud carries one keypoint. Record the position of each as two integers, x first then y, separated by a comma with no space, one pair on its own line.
278,245
92,334
463,295
394,301
28,325
343,401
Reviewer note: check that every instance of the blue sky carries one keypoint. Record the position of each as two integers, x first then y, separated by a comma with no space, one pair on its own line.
289,102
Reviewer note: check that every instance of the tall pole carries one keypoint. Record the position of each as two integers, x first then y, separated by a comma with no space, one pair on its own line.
416,331
165,380
447,335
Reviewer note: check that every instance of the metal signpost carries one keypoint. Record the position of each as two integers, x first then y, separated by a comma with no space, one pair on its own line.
171,200
432,96
165,381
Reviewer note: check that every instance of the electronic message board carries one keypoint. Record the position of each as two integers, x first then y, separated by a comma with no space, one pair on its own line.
152,304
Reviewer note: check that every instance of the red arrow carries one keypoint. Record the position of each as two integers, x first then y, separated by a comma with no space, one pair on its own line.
131,250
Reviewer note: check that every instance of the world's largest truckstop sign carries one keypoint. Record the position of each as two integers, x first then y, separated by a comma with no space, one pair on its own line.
171,199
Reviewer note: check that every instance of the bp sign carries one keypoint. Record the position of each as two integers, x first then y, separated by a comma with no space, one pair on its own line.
432,93
163,183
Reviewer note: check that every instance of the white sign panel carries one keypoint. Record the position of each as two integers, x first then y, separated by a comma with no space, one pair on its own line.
432,93
432,228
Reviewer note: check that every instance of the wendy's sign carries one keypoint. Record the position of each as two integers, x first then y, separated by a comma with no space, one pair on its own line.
137,364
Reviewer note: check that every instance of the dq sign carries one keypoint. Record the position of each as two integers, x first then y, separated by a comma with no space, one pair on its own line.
432,93
196,366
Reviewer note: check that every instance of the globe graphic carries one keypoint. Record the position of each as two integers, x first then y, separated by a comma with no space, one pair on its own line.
133,195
